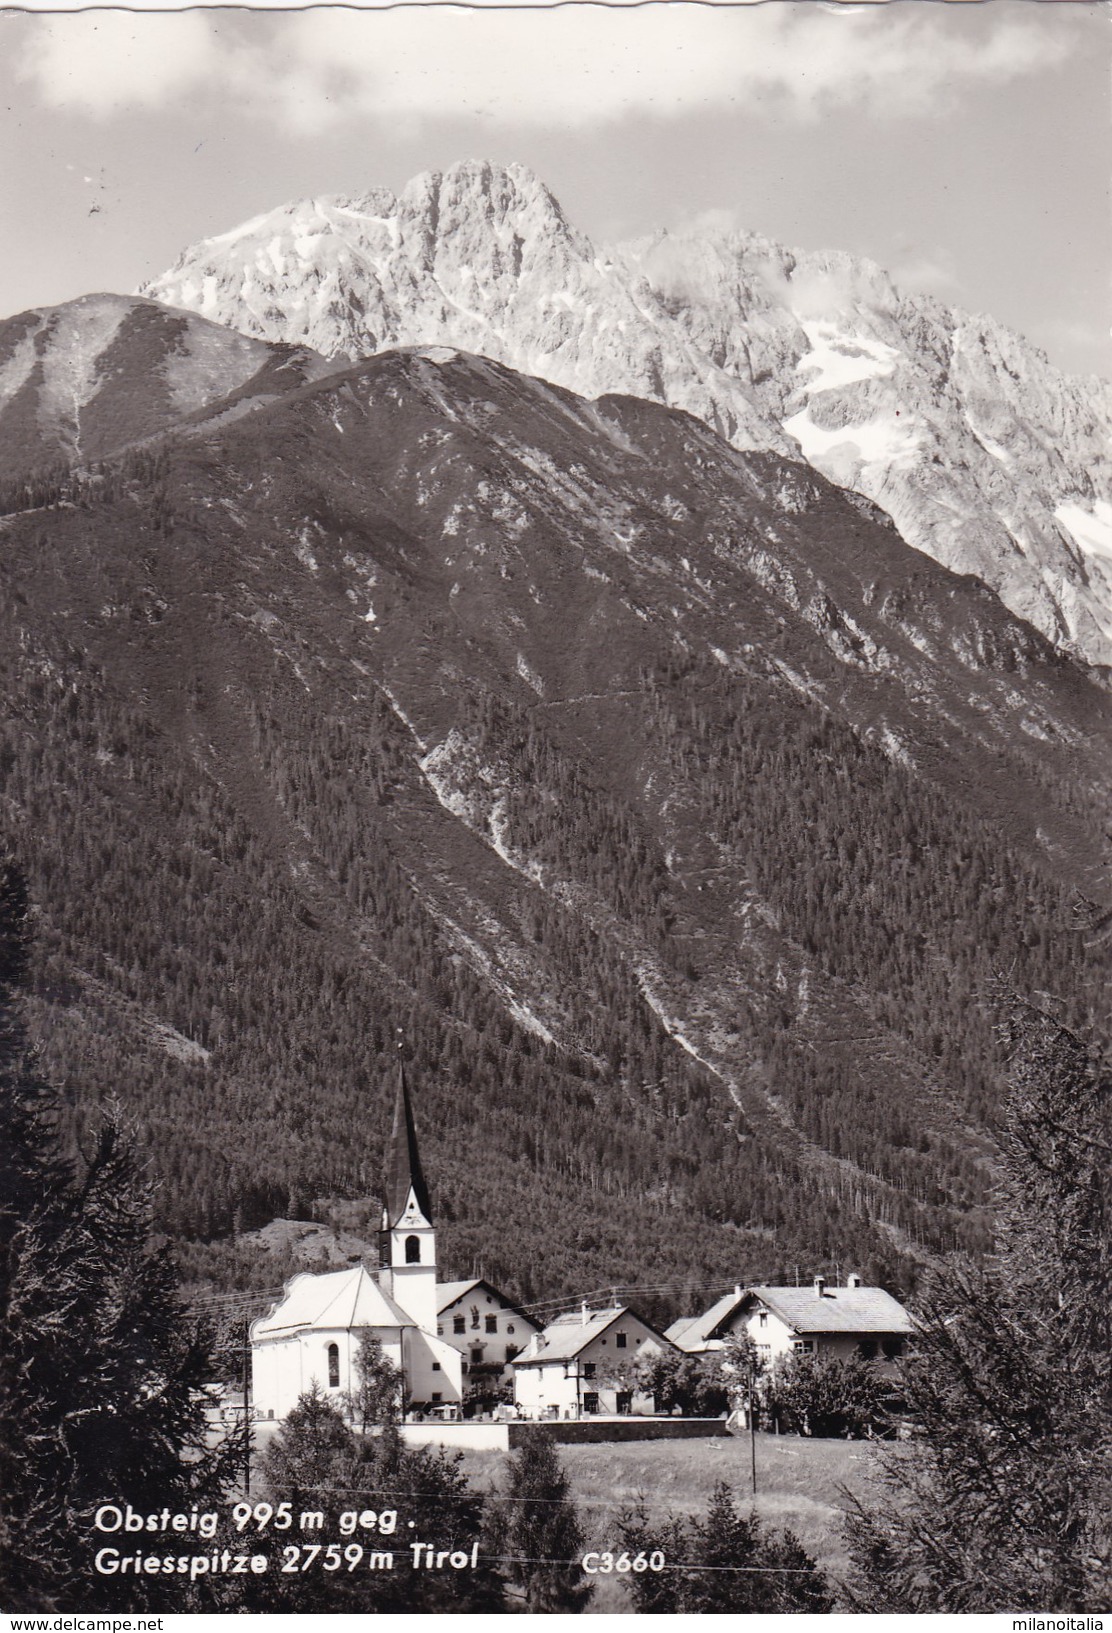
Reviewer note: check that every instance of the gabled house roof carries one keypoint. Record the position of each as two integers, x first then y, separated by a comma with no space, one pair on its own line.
839,1310
692,1331
564,1338
847,1310
448,1292
339,1300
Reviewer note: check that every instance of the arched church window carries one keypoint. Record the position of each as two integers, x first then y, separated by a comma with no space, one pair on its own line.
333,1366
413,1250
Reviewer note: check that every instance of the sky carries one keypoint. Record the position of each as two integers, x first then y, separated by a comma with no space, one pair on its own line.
963,146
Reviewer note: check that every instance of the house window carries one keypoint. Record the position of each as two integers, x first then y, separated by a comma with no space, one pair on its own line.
509,1326
413,1250
762,1319
437,1396
459,1323
804,1346
440,1329
333,1366
867,1349
621,1341
511,1351
588,1369
436,1366
590,1402
892,1348
492,1323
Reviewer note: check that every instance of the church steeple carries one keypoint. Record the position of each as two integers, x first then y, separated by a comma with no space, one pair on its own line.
405,1183
407,1239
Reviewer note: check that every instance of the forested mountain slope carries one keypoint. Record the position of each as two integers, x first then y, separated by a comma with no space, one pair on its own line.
673,810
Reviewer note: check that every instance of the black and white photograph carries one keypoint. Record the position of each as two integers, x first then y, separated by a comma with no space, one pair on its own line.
556,811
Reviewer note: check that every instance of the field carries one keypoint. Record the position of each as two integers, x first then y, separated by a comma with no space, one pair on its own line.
797,1487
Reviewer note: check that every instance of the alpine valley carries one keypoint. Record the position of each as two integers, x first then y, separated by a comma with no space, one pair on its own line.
451,643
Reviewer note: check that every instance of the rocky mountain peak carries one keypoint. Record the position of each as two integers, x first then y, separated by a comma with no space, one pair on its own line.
985,456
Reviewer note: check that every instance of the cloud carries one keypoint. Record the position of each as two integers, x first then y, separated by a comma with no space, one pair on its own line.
577,66
104,62
933,271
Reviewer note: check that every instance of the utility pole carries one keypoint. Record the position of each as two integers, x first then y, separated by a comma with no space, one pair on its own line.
248,1432
752,1428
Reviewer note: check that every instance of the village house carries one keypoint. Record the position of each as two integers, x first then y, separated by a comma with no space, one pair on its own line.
488,1330
582,1365
814,1320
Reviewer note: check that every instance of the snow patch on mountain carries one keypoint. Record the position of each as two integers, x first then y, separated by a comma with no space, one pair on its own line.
882,440
1090,529
17,370
838,359
959,430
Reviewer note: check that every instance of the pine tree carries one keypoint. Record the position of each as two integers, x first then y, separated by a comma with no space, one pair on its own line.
1003,1498
316,1460
101,1373
536,1531
724,1562
314,1447
737,1566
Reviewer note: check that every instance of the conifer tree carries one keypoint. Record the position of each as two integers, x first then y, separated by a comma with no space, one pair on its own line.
317,1460
724,1562
536,1531
1002,1501
101,1373
314,1447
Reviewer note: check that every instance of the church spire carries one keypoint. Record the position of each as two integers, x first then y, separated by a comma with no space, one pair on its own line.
403,1174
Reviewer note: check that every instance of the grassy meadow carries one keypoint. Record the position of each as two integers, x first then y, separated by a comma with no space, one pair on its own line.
798,1485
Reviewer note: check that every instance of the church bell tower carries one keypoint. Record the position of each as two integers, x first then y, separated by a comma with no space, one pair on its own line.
407,1240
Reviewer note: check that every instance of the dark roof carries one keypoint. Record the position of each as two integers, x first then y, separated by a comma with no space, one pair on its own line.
403,1172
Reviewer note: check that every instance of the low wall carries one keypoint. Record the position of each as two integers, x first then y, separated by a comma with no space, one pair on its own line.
467,1436
502,1437
589,1431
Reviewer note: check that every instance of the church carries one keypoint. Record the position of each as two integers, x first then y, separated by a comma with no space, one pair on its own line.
312,1335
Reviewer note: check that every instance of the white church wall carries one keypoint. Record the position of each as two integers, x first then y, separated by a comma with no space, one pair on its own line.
433,1370
282,1370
